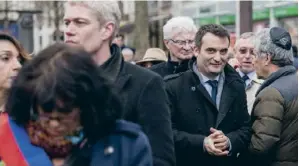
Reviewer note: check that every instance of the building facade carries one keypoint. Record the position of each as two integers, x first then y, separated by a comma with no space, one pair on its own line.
158,14
265,14
16,18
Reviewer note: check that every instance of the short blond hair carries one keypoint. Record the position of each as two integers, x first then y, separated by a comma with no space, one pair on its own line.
104,10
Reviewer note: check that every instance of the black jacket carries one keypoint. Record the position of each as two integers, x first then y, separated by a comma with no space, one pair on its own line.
145,102
170,67
193,113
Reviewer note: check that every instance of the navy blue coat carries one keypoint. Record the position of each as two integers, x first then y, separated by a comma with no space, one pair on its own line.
127,146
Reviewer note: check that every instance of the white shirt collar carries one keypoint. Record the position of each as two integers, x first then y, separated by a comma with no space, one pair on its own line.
250,75
205,79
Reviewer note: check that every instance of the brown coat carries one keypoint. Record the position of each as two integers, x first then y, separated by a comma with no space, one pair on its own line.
275,120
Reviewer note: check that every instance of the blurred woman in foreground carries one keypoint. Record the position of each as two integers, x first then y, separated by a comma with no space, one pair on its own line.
62,110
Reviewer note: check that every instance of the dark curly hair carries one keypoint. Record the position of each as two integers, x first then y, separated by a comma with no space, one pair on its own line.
70,75
215,29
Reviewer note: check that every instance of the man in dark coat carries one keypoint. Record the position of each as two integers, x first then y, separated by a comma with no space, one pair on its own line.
179,39
143,92
208,102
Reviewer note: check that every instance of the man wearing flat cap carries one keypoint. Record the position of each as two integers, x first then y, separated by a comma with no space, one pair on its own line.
275,110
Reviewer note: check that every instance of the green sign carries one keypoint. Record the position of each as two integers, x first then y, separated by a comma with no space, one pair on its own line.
206,20
261,14
227,19
279,12
286,11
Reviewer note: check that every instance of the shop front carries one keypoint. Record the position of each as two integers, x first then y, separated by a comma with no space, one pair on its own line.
204,20
260,19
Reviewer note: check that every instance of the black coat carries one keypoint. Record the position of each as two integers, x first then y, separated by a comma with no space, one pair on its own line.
193,113
145,102
170,67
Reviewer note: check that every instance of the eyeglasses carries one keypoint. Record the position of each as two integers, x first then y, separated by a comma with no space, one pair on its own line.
182,42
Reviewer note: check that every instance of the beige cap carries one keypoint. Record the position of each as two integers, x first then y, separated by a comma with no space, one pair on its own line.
153,54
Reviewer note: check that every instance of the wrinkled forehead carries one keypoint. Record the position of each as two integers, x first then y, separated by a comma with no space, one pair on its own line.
183,35
248,43
75,10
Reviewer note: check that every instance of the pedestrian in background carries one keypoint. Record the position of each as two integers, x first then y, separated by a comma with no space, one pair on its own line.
119,40
178,36
153,56
128,55
244,53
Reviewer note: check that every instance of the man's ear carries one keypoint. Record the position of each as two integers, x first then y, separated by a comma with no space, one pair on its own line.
268,59
166,42
196,51
108,30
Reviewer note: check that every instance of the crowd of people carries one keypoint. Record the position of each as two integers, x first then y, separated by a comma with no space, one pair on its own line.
86,102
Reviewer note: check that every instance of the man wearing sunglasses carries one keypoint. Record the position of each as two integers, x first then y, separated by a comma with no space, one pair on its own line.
244,55
178,35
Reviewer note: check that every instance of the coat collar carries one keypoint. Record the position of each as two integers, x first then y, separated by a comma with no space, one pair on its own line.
230,73
229,93
114,67
283,71
176,67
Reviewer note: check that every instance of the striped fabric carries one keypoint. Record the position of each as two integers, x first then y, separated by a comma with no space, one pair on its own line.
15,146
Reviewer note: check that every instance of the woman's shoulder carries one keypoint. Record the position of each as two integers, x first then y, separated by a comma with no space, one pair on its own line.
126,128
126,143
128,133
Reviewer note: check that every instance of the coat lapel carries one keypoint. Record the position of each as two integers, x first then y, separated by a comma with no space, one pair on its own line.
202,89
227,97
123,80
205,93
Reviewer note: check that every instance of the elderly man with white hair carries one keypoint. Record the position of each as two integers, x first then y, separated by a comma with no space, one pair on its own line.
178,33
275,111
93,25
244,54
